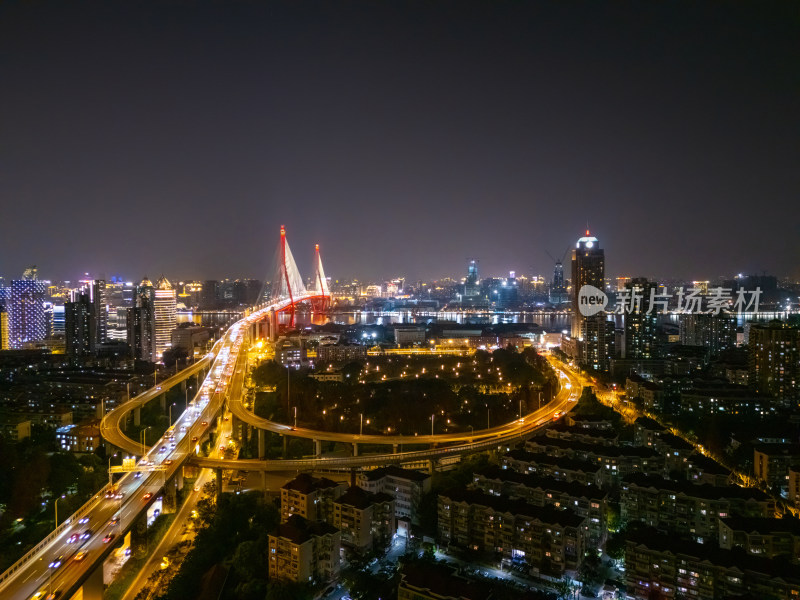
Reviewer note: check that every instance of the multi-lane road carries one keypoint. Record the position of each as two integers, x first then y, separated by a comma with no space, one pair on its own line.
74,560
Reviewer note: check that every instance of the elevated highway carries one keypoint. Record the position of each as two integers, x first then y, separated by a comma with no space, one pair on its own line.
461,443
80,562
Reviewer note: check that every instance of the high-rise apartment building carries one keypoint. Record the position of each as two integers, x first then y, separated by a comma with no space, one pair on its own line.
3,328
716,333
78,319
164,316
141,322
775,360
210,294
99,323
5,299
558,288
27,322
640,327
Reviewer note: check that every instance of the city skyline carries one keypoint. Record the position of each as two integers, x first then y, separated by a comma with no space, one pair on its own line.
661,125
472,268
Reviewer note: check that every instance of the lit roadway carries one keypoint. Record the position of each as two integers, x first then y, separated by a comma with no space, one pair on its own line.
238,409
465,443
112,423
32,574
172,538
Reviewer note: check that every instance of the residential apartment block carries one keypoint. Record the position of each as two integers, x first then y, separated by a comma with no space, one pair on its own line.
366,520
310,497
547,540
304,551
661,566
406,486
587,501
686,508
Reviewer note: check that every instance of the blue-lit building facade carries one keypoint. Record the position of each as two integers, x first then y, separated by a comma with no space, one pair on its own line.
26,315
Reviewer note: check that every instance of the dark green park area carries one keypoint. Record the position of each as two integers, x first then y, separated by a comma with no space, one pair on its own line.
399,394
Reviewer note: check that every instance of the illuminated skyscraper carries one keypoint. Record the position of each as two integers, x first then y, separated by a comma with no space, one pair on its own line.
471,286
3,328
164,315
588,268
5,298
595,332
27,321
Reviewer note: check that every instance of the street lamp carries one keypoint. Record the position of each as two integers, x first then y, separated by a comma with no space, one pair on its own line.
142,438
361,424
288,387
56,506
432,416
471,432
170,413
110,480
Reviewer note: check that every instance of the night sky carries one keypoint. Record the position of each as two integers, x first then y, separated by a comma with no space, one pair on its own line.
146,137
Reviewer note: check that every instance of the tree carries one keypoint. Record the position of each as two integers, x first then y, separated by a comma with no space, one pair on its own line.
249,561
615,545
563,588
613,516
592,571
174,355
288,590
65,470
269,374
351,371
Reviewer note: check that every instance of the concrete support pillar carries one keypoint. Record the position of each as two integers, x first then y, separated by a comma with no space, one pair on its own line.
137,416
235,426
219,484
395,448
285,446
92,588
355,449
318,447
183,386
264,482
170,498
139,536
163,400
179,479
431,466
273,326
262,443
